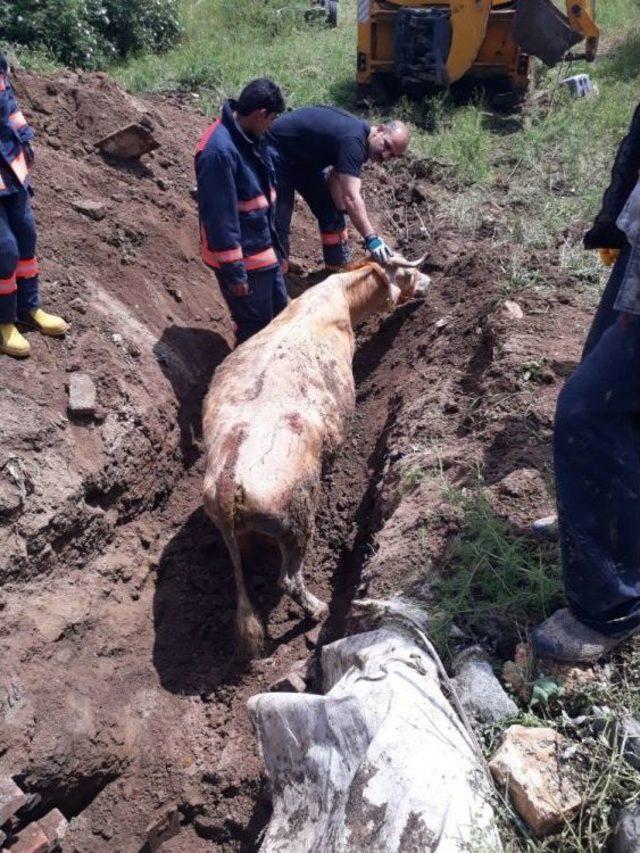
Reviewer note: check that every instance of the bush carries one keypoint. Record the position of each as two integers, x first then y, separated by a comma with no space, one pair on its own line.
90,33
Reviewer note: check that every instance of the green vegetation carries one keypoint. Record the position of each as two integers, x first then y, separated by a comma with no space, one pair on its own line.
493,579
88,33
226,44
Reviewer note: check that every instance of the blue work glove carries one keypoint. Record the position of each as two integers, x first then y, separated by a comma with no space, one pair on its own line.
377,248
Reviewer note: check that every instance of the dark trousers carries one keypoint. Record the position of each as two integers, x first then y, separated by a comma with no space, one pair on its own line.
19,288
266,299
314,189
597,464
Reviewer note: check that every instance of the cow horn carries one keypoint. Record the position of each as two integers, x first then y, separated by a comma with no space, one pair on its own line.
398,261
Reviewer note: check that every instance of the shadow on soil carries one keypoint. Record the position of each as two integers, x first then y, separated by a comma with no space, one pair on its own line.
188,358
194,608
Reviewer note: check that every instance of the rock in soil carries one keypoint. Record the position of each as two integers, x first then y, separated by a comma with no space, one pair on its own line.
478,689
539,785
96,210
627,737
295,681
82,394
627,837
12,798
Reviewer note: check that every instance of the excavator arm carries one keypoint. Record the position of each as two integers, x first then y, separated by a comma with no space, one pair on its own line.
543,31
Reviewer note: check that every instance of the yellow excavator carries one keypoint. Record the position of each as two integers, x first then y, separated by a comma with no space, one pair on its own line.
420,44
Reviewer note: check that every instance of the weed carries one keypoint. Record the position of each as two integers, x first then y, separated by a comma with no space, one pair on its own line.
492,578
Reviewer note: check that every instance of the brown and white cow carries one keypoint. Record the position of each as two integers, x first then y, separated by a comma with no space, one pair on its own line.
275,409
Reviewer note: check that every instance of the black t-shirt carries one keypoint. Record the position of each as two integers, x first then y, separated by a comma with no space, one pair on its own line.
312,138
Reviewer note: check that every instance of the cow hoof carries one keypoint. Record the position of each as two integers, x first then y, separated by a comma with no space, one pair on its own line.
249,636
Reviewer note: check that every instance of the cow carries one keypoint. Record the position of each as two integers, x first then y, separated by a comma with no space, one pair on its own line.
275,411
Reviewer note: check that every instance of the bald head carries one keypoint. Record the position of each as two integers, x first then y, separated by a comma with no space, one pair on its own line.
388,140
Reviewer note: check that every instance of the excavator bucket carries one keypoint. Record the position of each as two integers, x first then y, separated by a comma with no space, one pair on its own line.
542,30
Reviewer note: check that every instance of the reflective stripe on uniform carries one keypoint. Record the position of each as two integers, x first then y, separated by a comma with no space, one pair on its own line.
334,238
214,259
261,259
8,285
17,120
257,203
274,195
28,268
19,167
207,135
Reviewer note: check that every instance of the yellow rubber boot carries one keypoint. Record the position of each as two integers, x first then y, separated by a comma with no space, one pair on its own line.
12,342
48,324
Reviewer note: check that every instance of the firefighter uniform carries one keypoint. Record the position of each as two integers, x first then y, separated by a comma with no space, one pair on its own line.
304,144
238,239
18,264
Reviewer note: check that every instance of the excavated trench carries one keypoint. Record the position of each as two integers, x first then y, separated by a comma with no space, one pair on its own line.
132,654
122,699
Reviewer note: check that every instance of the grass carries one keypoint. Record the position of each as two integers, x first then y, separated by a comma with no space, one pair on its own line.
227,44
492,579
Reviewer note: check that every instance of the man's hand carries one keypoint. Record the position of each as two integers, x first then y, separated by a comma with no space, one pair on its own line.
378,249
609,256
240,288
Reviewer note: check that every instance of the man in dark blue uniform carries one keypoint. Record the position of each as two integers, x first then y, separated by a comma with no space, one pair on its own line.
320,151
597,443
236,201
19,267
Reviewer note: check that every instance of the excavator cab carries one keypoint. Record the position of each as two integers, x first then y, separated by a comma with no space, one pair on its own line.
423,44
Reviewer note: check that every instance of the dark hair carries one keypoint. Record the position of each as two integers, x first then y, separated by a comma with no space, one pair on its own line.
260,94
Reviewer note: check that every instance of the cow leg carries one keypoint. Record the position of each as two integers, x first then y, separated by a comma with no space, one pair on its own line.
249,630
292,582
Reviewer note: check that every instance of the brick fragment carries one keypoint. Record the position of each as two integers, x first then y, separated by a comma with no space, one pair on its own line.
54,825
11,799
538,782
31,840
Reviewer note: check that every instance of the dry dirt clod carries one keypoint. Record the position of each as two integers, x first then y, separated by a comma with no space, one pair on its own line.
512,310
96,210
538,783
295,681
129,142
165,826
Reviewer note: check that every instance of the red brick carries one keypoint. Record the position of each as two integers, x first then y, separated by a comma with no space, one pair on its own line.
11,799
54,825
31,840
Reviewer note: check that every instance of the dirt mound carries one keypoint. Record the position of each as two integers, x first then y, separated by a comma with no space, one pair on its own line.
123,704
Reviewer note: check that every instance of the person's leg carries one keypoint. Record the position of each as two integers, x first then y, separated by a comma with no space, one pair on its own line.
8,265
279,295
253,312
314,189
597,463
11,341
285,197
28,272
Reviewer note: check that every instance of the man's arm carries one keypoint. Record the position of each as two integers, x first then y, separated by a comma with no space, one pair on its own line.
351,200
220,223
345,191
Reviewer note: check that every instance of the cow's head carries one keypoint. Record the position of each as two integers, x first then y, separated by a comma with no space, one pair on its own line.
407,281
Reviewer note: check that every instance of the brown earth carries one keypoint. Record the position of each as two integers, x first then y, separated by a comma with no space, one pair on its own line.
122,700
